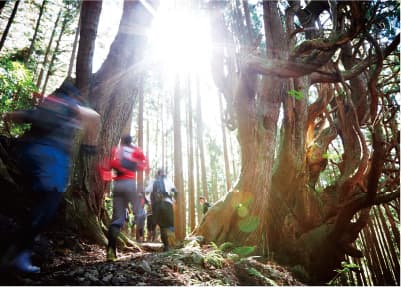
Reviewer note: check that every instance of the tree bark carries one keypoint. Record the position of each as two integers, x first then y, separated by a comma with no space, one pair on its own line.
90,14
180,218
41,10
199,131
9,23
112,96
48,51
280,210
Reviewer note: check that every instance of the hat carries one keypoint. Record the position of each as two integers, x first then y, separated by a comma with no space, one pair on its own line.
126,139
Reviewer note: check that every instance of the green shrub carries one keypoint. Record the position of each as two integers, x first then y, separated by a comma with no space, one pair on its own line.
17,90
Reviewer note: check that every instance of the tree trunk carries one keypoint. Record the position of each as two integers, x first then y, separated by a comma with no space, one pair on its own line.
74,48
41,10
90,14
55,53
112,96
140,130
225,150
48,51
191,181
199,131
180,219
10,21
279,210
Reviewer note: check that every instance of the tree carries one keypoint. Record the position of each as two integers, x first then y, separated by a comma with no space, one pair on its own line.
10,21
89,17
180,218
280,210
111,95
31,47
48,50
199,134
190,144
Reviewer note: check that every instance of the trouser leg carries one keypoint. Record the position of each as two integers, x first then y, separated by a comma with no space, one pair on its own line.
114,231
167,225
19,253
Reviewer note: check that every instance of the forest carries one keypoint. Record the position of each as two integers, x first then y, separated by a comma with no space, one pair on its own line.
284,115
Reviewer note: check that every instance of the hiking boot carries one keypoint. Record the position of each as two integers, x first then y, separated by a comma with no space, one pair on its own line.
111,254
171,242
23,263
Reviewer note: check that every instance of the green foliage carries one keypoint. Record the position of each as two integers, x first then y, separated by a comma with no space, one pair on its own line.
296,94
331,155
346,268
253,272
16,89
226,246
249,224
244,251
215,257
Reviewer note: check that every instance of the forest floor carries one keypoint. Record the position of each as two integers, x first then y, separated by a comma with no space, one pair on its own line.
83,264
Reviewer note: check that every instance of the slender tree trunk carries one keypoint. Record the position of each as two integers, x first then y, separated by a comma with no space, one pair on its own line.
140,130
199,128
55,53
42,8
2,4
10,21
48,51
74,48
191,184
180,217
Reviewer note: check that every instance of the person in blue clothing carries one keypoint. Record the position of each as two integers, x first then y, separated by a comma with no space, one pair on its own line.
45,159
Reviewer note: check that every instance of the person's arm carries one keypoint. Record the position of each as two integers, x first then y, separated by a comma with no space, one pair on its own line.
18,117
141,160
90,122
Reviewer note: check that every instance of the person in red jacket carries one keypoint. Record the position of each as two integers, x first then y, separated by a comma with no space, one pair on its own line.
126,159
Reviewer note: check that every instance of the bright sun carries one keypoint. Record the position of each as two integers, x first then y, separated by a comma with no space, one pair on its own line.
180,40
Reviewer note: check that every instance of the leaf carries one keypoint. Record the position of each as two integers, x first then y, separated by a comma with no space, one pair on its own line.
248,224
244,251
296,94
242,211
226,245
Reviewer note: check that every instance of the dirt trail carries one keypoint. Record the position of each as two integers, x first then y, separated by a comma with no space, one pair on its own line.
192,265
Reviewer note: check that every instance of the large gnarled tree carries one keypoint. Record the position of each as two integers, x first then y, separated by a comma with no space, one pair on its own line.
325,66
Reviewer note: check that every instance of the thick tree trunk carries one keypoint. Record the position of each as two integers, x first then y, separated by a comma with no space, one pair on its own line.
89,21
112,96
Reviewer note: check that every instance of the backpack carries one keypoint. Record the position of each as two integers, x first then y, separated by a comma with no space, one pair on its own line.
127,160
159,191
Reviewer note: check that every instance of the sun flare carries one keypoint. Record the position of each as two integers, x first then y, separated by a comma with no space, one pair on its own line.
180,40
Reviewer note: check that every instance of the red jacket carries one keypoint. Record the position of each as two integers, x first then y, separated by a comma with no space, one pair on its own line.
137,155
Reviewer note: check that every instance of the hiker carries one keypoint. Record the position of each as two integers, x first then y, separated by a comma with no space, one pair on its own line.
204,204
45,157
163,193
140,217
150,224
126,159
